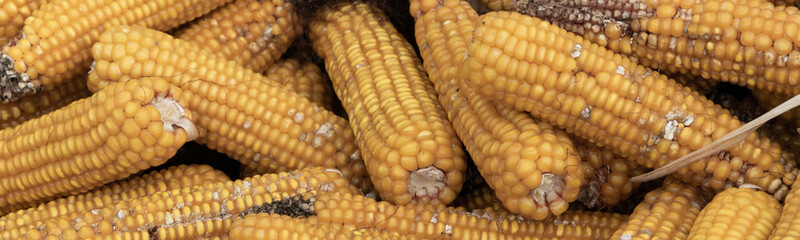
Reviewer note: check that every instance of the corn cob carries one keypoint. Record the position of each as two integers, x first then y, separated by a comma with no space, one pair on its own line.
437,221
607,176
785,2
666,213
786,228
30,107
12,15
702,86
498,5
603,97
519,157
174,177
254,33
305,78
53,46
737,213
124,129
276,226
411,151
195,212
479,198
771,100
244,114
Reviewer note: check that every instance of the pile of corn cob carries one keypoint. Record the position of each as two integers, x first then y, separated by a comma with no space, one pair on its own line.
363,133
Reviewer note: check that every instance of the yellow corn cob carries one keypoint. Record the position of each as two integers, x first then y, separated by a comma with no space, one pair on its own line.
532,167
439,222
770,100
121,130
785,2
410,149
175,177
498,5
666,213
12,15
196,212
254,33
787,226
737,213
479,198
607,176
276,226
54,44
702,86
603,97
306,78
33,106
244,114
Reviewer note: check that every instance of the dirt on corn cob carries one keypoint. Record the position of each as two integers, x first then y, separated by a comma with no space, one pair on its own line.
53,46
254,33
607,176
410,149
33,106
240,113
121,130
203,211
13,14
175,177
737,213
597,95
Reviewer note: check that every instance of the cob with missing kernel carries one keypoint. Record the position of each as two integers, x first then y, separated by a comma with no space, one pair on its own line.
597,95
254,33
53,46
240,113
175,177
607,176
119,131
33,106
13,14
737,213
532,167
411,151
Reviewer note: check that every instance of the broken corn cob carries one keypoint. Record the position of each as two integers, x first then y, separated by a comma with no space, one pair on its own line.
666,213
175,177
254,33
243,114
641,115
121,130
737,213
33,106
204,211
277,226
306,78
532,167
12,15
53,45
411,151
607,176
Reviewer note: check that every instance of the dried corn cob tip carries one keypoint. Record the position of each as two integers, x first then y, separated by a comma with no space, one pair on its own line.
175,177
52,47
254,33
12,16
411,150
33,106
277,226
666,213
242,114
595,94
306,78
204,211
720,219
607,176
121,130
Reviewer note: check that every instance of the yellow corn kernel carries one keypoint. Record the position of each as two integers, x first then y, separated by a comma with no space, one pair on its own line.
439,222
276,226
666,213
411,151
254,33
121,130
498,5
479,198
306,78
199,211
532,167
607,176
595,94
702,86
53,45
12,15
722,217
175,177
243,114
33,106
787,226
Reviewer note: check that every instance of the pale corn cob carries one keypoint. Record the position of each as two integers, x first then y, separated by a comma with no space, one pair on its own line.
254,33
121,130
12,15
33,106
603,97
196,212
175,177
666,213
304,77
243,114
276,226
411,151
737,213
607,176
53,46
532,167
